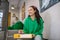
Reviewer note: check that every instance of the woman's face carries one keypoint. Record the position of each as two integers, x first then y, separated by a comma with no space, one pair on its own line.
31,11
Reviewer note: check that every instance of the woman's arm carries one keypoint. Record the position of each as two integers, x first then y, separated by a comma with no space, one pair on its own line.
41,27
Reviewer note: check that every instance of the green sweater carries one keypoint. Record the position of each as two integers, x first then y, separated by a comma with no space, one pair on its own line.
17,26
32,27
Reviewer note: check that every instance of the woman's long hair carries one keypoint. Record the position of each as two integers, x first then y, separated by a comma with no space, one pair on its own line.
36,14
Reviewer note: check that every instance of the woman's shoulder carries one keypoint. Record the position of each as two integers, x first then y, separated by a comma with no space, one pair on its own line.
26,19
41,20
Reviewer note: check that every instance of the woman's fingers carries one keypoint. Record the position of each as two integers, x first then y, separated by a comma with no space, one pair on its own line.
20,31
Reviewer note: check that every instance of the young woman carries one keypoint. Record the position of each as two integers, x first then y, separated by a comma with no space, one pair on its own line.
33,24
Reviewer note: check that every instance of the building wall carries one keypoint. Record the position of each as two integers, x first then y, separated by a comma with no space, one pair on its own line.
52,22
16,12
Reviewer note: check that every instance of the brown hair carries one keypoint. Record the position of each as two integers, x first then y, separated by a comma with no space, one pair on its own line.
36,14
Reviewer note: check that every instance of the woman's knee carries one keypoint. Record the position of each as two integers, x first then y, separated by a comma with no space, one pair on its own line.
38,37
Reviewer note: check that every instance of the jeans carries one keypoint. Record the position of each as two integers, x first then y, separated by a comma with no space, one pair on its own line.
38,37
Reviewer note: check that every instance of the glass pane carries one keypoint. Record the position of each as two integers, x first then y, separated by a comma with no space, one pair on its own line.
1,15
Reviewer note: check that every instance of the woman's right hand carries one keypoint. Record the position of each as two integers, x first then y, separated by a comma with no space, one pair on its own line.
20,31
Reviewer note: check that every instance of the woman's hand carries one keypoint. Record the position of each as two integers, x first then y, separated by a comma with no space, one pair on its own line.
20,31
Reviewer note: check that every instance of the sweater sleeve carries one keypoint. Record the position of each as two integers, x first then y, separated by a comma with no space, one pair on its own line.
40,27
10,28
25,28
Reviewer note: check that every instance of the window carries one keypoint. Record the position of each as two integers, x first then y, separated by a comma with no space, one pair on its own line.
1,16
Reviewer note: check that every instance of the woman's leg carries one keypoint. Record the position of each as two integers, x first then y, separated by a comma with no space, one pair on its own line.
38,37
